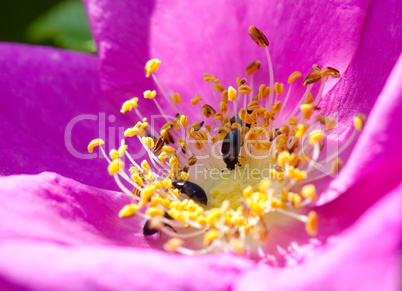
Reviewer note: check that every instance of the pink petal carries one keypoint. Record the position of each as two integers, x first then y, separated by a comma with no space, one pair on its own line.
49,207
364,257
377,150
209,36
360,184
45,266
378,51
55,232
51,107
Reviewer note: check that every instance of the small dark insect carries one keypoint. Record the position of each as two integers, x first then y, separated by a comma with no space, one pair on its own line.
236,119
231,148
147,230
192,190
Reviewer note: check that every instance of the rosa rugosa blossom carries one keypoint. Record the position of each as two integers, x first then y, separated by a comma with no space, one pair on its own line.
57,233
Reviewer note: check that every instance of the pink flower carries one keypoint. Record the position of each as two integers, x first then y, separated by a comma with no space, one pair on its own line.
58,233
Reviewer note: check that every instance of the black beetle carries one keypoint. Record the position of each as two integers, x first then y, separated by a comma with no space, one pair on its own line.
231,148
192,190
150,231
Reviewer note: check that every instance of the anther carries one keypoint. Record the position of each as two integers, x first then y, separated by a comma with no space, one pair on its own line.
184,120
240,82
151,67
316,136
309,191
129,210
149,94
252,67
312,223
336,166
308,110
278,87
94,143
317,73
148,142
223,107
155,211
129,105
158,145
191,160
244,89
292,120
359,121
207,110
176,98
276,107
257,35
294,76
115,166
219,87
253,105
330,123
196,99
173,244
210,78
232,94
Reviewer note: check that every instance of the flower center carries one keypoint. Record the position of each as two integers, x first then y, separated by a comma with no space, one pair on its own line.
222,179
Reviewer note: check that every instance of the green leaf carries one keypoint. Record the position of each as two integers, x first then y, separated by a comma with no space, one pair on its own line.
65,25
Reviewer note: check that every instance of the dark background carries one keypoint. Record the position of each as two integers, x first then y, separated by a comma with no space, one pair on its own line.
58,23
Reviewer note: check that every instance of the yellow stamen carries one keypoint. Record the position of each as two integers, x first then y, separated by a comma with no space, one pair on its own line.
258,36
223,107
151,66
162,157
94,143
309,191
129,210
185,176
155,211
312,223
264,185
283,158
210,236
301,129
129,105
172,244
149,94
196,99
244,89
114,154
184,120
148,142
137,179
292,120
168,150
219,87
316,136
329,123
359,121
294,76
176,98
210,78
115,166
276,107
251,68
232,94
336,166
278,87
247,192
309,99
308,110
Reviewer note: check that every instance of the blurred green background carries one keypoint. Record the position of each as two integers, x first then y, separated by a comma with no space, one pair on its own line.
55,23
